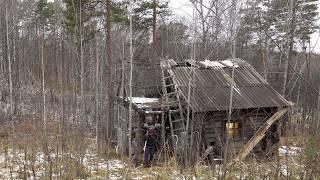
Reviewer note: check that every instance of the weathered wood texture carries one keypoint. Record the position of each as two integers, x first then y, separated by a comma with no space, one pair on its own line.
260,133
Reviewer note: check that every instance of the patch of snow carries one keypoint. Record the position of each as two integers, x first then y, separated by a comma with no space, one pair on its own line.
291,150
111,164
114,177
284,170
142,100
2,159
207,63
7,173
230,63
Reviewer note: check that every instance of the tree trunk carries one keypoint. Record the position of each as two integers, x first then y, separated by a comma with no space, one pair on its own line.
264,51
10,72
232,29
109,68
154,33
290,48
62,109
97,98
130,91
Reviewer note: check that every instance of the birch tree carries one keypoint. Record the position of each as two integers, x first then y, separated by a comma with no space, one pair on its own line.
109,71
10,72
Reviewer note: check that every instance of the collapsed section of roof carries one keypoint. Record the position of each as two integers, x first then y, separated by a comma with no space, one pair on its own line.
212,85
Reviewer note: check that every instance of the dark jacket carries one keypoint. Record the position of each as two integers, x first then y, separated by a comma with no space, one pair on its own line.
151,140
151,135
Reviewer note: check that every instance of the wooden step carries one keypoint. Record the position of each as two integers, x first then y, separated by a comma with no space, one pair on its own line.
178,120
172,93
172,105
176,115
175,110
172,102
169,85
180,129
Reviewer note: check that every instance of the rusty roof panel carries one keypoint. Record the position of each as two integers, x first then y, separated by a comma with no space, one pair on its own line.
212,88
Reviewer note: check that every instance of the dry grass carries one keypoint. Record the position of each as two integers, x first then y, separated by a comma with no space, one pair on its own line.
64,160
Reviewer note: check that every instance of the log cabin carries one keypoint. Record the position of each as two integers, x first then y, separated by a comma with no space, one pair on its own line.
225,107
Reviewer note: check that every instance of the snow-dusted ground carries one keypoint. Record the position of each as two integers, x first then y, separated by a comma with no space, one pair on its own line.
12,166
291,151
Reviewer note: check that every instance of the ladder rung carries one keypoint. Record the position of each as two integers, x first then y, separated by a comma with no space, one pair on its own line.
172,102
178,120
167,77
175,111
172,93
178,129
169,85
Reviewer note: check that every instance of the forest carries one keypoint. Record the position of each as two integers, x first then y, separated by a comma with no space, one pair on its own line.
67,67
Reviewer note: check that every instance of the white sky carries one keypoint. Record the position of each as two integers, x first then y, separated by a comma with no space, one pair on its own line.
183,9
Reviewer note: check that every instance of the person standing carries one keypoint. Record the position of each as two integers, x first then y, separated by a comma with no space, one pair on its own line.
150,143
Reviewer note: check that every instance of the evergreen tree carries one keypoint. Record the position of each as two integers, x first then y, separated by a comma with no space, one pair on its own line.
78,22
44,12
300,25
272,18
173,41
143,12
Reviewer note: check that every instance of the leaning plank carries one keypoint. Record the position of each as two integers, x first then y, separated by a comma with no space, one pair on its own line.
256,138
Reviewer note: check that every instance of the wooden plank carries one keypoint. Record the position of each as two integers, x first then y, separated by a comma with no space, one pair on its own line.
257,137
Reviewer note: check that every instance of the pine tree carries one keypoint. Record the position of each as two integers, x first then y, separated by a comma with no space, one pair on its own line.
301,24
78,14
279,25
142,14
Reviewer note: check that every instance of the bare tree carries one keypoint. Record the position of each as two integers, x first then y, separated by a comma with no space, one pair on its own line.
109,70
154,32
290,39
10,72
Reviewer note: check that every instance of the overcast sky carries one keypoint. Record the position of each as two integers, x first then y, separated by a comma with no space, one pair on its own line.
183,9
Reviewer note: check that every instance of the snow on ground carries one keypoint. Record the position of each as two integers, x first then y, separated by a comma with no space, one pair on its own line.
12,164
291,150
284,170
111,164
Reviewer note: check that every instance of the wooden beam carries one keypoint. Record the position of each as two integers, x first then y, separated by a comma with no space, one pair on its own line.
257,137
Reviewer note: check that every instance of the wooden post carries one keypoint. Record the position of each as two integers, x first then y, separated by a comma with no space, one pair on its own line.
260,133
232,84
163,131
184,152
318,112
319,99
130,89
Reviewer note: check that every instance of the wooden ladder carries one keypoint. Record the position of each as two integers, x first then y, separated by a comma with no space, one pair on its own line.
174,106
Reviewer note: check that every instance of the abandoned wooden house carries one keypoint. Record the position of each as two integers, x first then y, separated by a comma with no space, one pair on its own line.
218,102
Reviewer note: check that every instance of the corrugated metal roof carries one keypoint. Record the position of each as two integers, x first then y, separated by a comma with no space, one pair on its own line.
212,87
